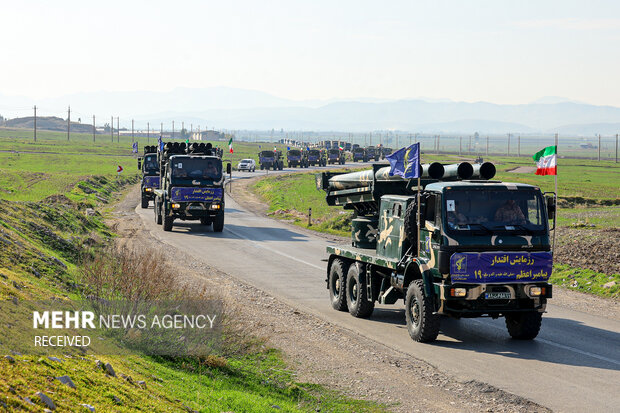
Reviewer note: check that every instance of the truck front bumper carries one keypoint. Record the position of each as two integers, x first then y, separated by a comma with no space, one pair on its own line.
492,299
195,210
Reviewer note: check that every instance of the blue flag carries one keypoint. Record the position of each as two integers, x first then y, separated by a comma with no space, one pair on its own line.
160,144
405,162
288,148
134,147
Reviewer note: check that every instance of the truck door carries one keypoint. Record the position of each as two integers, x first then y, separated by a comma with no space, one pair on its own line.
430,234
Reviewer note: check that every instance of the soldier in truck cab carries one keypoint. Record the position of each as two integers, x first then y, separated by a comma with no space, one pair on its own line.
510,213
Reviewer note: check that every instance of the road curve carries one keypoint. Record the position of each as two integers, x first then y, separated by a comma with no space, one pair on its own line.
573,365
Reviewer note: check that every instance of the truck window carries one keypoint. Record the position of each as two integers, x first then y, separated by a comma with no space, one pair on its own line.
397,210
429,214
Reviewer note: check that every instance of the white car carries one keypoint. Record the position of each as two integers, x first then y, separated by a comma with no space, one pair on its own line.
247,165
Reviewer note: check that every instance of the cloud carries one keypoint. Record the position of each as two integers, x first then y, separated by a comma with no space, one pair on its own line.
571,23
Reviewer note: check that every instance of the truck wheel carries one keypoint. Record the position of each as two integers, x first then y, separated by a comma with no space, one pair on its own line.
145,202
168,220
337,283
523,326
262,167
357,299
157,213
422,324
218,222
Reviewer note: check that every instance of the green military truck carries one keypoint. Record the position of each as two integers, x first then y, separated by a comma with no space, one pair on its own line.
371,154
471,247
192,185
271,159
315,157
150,174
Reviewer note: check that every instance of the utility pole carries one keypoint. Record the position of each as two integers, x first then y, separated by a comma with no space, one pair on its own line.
460,145
415,138
370,137
148,133
599,147
161,130
112,128
172,129
68,122
519,146
182,126
118,130
94,128
508,154
191,129
437,144
132,131
35,124
469,147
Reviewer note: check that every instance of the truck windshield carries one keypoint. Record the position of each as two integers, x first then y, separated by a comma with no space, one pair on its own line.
494,210
294,152
150,163
197,168
313,152
267,154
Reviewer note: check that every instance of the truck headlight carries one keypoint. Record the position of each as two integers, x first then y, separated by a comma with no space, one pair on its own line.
215,206
148,189
458,292
176,206
536,291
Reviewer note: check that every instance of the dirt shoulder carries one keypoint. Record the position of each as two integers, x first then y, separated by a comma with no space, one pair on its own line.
321,352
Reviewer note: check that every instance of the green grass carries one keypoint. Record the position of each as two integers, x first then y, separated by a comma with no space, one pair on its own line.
585,280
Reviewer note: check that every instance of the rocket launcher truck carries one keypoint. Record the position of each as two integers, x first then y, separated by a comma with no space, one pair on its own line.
463,245
191,185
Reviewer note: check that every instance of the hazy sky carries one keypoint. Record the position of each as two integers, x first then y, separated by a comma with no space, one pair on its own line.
498,51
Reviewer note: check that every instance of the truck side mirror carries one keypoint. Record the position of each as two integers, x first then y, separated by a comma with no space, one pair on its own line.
139,163
550,207
228,168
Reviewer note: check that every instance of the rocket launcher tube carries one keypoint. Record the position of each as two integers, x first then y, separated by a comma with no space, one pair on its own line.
462,170
485,170
364,179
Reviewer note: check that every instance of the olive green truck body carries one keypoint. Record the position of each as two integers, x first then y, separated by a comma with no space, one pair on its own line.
472,258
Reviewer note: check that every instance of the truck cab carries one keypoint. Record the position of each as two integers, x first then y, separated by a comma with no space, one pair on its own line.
359,154
271,159
316,157
335,156
294,158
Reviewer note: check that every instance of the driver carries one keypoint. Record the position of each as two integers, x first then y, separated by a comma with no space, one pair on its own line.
455,217
510,212
211,170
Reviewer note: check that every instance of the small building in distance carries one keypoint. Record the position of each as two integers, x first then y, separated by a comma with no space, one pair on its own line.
208,135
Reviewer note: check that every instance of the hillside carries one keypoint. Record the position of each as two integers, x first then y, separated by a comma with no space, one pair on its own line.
51,123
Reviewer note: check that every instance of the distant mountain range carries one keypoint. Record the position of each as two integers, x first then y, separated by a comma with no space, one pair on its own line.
230,108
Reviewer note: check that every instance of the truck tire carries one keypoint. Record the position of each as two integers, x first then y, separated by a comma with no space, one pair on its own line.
156,207
422,324
145,202
167,220
336,284
262,167
218,222
357,298
523,326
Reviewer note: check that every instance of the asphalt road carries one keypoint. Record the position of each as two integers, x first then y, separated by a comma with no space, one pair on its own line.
572,366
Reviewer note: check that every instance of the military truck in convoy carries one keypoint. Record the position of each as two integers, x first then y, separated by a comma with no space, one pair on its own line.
385,152
335,156
150,174
372,154
359,154
316,157
471,247
294,158
271,160
192,185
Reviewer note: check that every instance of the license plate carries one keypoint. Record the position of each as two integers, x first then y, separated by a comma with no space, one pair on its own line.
497,296
194,207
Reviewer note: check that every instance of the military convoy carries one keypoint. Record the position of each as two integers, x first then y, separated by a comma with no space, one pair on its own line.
462,246
191,185
316,157
150,175
295,158
271,160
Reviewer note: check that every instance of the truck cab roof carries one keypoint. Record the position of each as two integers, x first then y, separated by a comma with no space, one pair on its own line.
440,186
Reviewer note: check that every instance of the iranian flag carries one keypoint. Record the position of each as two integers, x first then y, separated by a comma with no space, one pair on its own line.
340,148
230,148
546,161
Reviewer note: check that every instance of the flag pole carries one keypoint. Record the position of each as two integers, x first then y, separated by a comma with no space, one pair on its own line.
419,218
555,216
